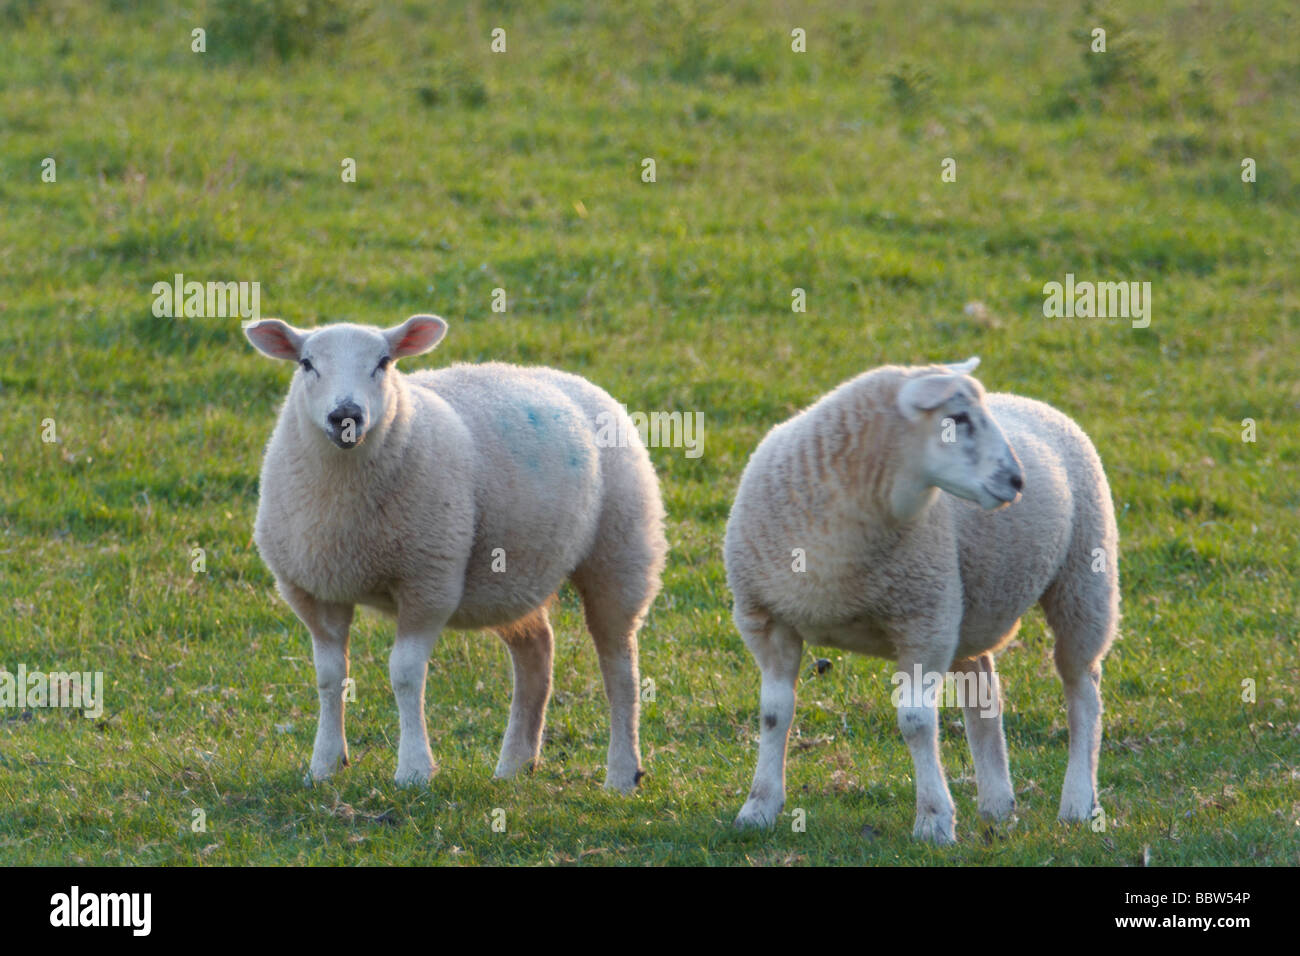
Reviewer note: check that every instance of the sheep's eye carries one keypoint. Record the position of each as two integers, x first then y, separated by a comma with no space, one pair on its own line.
306,365
961,418
383,363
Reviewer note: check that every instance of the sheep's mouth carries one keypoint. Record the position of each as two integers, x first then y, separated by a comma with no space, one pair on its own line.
999,500
336,436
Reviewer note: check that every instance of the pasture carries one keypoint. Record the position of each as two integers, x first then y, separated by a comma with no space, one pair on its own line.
523,171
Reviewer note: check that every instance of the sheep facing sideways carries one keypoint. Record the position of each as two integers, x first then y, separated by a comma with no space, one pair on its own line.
898,570
461,497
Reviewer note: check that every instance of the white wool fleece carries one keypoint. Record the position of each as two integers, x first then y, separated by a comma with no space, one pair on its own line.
908,515
461,497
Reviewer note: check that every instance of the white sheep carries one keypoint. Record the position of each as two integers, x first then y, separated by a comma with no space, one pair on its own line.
462,498
839,536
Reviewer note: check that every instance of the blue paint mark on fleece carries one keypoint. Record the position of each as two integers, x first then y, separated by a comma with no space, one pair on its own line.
523,443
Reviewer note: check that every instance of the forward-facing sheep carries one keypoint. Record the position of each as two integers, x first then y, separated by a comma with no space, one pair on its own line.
462,498
840,536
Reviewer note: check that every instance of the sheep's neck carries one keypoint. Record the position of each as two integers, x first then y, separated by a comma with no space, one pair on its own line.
871,443
910,499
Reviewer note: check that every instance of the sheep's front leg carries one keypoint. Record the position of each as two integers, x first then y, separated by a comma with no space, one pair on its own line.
408,669
988,744
918,719
329,625
778,650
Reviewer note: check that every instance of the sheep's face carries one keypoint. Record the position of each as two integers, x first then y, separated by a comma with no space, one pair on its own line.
344,383
962,450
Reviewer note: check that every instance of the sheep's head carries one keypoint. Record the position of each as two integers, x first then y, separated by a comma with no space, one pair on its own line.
344,380
962,450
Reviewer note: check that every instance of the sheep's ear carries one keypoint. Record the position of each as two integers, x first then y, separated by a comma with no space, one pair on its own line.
279,340
966,367
926,393
415,336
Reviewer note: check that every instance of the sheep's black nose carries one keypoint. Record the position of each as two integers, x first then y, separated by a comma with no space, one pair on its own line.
339,417
1017,482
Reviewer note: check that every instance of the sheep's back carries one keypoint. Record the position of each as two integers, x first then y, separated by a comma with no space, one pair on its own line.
792,497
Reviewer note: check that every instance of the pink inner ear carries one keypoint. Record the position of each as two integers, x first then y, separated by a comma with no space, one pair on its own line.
414,339
276,342
417,338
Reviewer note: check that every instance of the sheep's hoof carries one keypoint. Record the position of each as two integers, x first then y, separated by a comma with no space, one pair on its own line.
999,809
1076,813
935,829
506,770
416,776
1078,802
623,782
414,779
755,816
322,768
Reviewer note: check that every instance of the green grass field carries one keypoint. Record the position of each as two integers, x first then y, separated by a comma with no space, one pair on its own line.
775,170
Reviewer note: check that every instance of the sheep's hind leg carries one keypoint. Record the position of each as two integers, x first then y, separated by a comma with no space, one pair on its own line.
778,649
1083,615
618,580
531,643
329,625
613,620
408,669
988,744
1083,710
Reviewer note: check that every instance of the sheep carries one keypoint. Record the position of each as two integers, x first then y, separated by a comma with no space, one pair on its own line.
463,498
883,564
